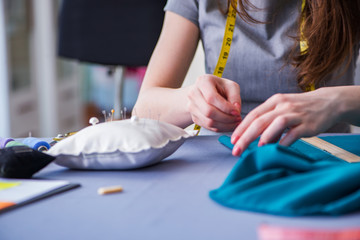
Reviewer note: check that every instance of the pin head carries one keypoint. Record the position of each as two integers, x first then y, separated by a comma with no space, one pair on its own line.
93,121
134,119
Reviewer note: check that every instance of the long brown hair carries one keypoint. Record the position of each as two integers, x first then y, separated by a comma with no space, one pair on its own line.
331,29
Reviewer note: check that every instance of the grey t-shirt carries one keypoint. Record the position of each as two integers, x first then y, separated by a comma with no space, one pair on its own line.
258,59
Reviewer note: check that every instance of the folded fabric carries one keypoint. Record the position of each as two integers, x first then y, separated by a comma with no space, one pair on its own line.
299,180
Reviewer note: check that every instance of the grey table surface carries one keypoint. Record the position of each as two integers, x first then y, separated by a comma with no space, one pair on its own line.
166,201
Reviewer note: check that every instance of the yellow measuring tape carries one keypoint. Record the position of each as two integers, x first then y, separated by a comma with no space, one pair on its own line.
228,36
303,43
226,44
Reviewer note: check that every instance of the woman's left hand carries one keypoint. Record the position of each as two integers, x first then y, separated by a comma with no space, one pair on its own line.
302,114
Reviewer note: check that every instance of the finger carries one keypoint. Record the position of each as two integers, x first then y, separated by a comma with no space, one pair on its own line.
216,95
218,121
232,93
254,130
274,131
237,106
267,106
249,119
209,117
205,110
293,134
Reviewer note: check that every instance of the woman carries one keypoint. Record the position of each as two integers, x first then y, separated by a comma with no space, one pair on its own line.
266,75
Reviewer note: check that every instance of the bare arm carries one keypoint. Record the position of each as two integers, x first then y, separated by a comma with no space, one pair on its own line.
160,94
211,102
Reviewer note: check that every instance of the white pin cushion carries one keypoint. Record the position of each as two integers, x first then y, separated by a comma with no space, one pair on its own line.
124,144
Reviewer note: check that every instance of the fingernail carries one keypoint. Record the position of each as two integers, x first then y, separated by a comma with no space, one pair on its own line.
234,113
236,151
234,139
237,105
261,143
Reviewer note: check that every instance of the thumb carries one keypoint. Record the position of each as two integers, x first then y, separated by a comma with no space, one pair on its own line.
233,96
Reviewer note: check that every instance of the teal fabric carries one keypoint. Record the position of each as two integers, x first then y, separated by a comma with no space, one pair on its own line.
300,180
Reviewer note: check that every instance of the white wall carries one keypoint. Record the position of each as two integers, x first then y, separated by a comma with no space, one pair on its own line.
4,86
197,67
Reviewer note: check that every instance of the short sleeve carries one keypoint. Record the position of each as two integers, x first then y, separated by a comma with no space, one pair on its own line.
185,8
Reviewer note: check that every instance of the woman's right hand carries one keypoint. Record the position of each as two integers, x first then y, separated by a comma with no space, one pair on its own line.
214,103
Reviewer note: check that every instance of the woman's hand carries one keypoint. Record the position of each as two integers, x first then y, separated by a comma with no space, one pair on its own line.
303,115
214,103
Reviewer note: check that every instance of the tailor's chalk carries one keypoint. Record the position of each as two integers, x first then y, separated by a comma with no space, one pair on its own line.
4,141
36,144
112,189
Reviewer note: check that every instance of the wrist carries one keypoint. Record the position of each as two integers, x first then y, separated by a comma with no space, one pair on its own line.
349,104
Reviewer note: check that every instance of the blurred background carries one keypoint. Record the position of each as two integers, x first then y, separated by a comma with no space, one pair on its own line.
64,61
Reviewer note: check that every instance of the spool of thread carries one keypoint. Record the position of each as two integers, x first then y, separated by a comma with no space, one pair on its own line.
36,144
14,143
4,141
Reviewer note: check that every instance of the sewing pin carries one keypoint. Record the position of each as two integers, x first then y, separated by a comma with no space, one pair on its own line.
104,112
112,114
124,113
